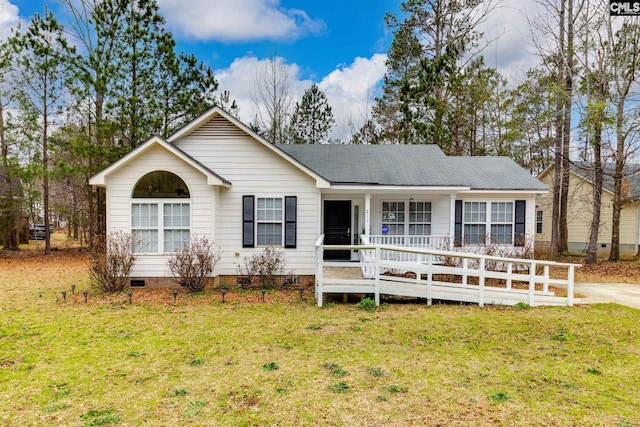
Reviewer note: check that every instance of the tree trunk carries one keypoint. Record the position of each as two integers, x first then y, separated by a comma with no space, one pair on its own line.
592,248
10,212
568,95
614,255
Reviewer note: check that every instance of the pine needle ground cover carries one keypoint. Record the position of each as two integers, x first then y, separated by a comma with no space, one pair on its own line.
288,362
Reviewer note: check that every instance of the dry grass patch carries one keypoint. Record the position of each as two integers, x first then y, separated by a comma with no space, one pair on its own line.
201,362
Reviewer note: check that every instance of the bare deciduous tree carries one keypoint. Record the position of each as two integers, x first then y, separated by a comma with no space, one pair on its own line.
271,94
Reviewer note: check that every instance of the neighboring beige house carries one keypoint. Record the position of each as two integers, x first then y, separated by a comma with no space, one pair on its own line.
218,178
580,211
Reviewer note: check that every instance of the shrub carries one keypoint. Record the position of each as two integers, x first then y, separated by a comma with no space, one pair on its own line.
111,262
268,265
367,304
192,267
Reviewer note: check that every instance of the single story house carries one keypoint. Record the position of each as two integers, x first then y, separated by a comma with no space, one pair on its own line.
218,178
580,210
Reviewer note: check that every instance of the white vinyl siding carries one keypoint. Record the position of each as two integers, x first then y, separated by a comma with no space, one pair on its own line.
254,169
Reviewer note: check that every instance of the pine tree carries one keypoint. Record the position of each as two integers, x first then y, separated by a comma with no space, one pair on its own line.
43,82
312,118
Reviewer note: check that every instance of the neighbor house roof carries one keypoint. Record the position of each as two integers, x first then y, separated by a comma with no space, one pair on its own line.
411,165
631,172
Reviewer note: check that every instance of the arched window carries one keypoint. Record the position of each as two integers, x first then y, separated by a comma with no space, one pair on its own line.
160,185
160,226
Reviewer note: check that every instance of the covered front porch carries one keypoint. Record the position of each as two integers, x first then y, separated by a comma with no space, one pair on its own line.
441,218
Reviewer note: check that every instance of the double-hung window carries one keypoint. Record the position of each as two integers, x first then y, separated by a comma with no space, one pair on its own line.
393,217
397,221
176,222
420,218
539,222
475,222
156,223
269,220
502,222
144,227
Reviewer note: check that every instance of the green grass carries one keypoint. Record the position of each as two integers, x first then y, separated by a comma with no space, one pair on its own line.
119,364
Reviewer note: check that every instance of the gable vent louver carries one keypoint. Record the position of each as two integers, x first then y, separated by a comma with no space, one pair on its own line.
218,127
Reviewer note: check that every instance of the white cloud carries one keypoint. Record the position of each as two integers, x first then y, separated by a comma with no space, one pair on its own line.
9,17
237,20
512,51
350,89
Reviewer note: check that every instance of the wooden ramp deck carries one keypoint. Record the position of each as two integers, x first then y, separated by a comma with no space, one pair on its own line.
469,278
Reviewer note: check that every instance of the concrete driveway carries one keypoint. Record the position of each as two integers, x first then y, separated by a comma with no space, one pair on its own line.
619,293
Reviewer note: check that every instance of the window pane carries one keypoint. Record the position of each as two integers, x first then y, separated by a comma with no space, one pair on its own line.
475,212
269,209
176,215
175,240
145,241
420,229
501,212
474,233
144,215
269,234
501,233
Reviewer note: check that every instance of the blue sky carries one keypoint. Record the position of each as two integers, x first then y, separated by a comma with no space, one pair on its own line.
338,44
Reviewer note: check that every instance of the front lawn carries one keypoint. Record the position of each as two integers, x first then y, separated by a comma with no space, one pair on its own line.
289,362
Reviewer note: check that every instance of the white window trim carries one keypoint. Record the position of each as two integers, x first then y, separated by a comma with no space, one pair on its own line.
406,224
488,223
540,220
259,221
161,227
510,223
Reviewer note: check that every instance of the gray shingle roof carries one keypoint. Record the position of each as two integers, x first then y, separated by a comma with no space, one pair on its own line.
411,165
631,172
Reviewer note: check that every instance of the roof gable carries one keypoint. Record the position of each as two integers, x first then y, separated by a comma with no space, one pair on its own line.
217,123
99,179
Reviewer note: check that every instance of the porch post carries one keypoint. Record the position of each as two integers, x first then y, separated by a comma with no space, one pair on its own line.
367,215
452,221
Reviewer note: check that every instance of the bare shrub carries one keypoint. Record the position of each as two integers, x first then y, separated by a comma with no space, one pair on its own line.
192,267
268,265
111,262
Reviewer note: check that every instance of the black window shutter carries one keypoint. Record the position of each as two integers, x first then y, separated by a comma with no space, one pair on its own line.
458,224
248,221
290,219
521,213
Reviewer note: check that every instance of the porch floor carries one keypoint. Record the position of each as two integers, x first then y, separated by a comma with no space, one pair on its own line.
350,273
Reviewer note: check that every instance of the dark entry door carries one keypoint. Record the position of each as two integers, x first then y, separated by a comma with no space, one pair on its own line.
337,227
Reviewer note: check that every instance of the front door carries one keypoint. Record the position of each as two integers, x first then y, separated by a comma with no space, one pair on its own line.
337,227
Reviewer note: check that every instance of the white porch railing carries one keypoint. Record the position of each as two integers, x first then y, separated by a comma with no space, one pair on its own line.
415,242
422,242
445,275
